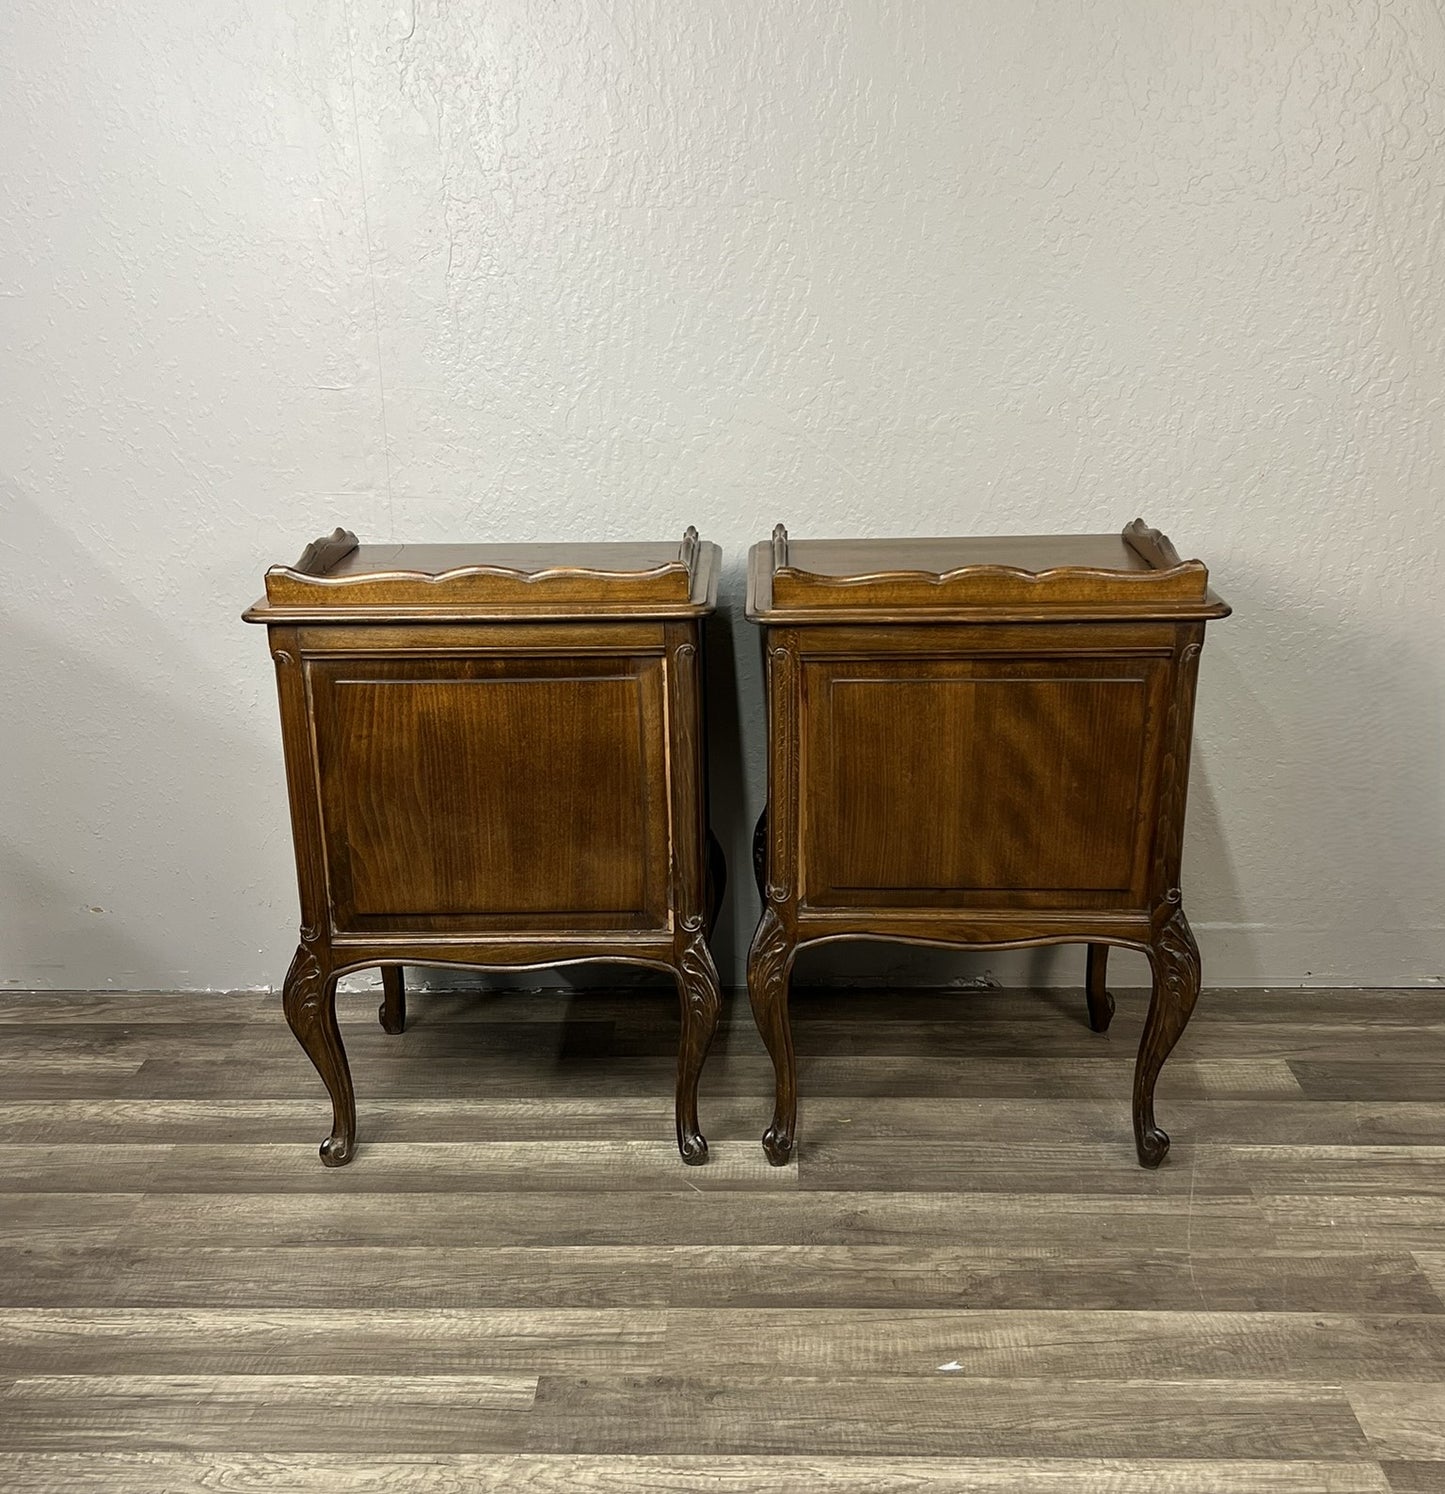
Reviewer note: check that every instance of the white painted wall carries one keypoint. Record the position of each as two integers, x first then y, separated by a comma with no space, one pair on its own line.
600,269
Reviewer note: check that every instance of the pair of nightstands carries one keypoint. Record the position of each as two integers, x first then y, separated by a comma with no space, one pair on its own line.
496,759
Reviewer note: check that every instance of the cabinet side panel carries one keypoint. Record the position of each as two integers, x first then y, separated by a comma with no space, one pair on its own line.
980,783
485,793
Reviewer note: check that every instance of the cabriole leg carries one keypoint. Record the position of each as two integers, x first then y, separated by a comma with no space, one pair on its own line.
1101,1003
769,962
309,1000
1174,957
701,1000
392,1010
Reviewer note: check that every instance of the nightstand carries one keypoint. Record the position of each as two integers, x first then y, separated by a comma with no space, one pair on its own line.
496,759
980,743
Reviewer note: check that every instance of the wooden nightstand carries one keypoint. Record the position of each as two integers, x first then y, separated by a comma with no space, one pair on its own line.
978,742
495,757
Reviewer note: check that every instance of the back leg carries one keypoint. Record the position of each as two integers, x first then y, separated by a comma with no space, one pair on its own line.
392,1010
1101,1003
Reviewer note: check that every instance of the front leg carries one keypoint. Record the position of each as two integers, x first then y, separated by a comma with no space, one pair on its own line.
701,999
309,1001
769,962
1174,957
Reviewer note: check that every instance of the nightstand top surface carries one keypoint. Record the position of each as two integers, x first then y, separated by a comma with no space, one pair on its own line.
1137,573
338,579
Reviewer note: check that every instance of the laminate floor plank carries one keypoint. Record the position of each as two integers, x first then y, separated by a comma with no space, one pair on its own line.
948,1415
96,1078
79,1044
1340,1221
410,1342
1059,1166
1432,1263
879,1276
275,1276
48,1218
689,1216
79,1169
28,1009
1042,1278
1332,1347
1348,1079
531,1473
1415,1478
1405,1422
356,1414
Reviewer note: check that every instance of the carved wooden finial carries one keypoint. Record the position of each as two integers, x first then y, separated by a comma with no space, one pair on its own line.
1152,545
688,553
321,554
780,547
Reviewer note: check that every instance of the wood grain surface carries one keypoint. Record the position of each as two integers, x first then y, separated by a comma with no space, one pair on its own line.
962,1282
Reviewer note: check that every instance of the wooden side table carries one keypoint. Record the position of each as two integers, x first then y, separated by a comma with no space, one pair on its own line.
495,758
978,742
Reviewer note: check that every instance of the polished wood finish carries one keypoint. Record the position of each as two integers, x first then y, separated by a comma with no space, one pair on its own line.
991,578
495,756
962,1283
978,742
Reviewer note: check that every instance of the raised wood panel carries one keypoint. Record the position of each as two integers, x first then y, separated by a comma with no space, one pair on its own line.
439,779
936,782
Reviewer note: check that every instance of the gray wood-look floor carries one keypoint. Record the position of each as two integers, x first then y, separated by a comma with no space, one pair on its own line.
964,1282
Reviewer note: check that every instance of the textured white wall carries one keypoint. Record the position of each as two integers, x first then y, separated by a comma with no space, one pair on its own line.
599,270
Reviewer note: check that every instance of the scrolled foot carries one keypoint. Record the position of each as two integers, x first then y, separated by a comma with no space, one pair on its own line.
1153,1146
337,1151
777,1146
692,1148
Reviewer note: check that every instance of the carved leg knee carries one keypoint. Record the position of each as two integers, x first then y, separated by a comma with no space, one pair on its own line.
1174,958
309,1000
769,961
701,999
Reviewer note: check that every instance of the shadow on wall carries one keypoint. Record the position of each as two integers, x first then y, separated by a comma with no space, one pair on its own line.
128,811
1319,721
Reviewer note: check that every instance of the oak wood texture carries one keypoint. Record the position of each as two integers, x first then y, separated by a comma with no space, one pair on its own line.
496,758
519,1293
982,743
